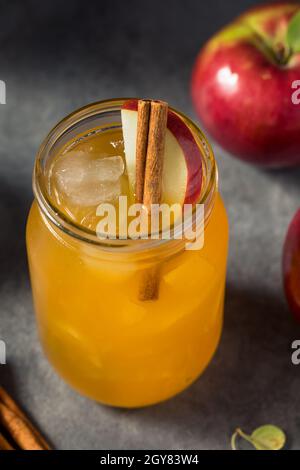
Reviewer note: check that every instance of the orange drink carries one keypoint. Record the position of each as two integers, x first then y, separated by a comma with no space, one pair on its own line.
95,330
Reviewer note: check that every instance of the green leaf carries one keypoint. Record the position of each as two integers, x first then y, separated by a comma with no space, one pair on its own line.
268,437
293,33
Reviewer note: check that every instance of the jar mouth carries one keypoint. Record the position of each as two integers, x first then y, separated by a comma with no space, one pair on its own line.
82,118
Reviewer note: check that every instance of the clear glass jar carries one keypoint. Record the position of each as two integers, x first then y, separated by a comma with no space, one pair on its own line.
101,339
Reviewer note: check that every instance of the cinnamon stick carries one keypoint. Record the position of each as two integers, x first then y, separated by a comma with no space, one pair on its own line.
155,153
18,425
149,284
19,429
141,148
151,180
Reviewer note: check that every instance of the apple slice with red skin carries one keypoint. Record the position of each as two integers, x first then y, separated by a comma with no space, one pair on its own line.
182,174
291,266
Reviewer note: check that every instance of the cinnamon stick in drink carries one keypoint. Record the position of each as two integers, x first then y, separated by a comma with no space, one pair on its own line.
149,284
144,107
155,153
152,179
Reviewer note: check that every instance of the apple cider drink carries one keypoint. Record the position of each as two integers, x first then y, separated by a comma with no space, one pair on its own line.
127,322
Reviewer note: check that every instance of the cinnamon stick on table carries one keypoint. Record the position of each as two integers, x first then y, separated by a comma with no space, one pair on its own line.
18,426
151,180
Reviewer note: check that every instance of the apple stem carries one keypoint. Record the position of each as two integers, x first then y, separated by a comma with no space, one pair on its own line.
283,53
279,52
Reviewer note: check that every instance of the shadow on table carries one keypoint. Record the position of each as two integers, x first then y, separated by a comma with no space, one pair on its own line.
289,178
14,207
251,380
7,379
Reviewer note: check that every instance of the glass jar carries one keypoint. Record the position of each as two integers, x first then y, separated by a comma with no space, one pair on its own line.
101,339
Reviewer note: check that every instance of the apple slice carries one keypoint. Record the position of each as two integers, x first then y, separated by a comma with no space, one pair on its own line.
182,173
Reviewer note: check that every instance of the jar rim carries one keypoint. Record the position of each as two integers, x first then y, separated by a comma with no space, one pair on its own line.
55,216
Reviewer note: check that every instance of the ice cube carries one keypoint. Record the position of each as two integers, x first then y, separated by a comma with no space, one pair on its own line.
88,181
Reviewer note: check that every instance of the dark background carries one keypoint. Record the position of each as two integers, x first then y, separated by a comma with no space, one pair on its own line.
55,57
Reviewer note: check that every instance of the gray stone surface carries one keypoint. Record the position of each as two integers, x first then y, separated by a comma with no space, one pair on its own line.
55,59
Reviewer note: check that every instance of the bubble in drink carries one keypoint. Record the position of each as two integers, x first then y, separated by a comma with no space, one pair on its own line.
87,181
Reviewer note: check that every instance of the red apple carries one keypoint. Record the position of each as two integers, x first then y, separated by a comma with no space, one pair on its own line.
182,171
291,266
242,85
